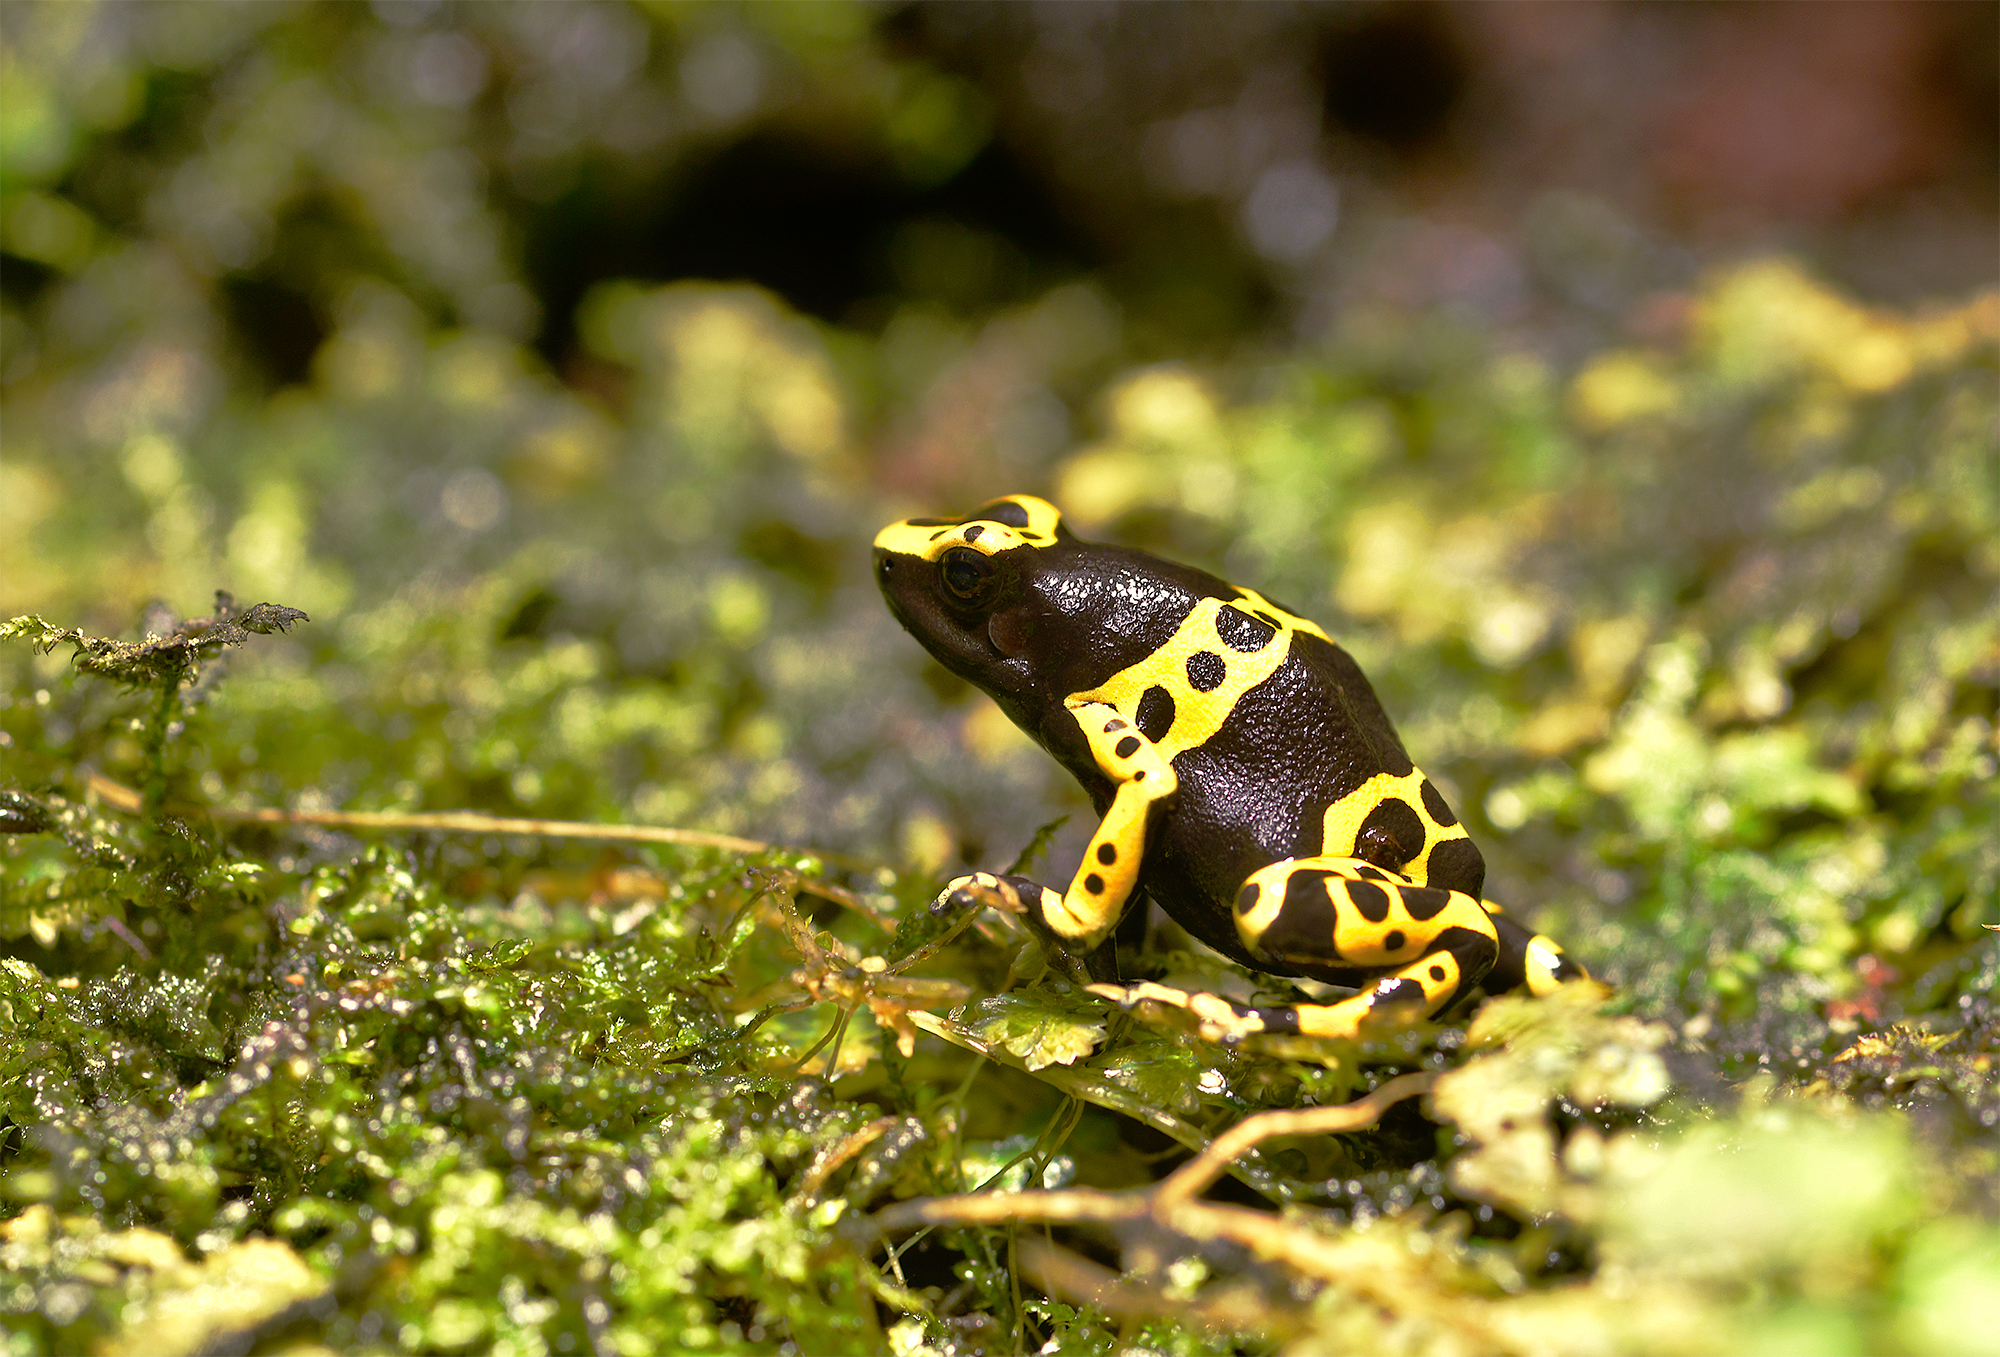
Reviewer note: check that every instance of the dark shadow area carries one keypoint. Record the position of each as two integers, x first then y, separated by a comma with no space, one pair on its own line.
1396,78
276,326
819,227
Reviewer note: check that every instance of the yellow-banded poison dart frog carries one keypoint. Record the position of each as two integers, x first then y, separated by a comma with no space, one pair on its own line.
1247,776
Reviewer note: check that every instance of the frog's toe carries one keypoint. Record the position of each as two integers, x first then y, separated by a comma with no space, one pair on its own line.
961,893
1011,894
1218,1019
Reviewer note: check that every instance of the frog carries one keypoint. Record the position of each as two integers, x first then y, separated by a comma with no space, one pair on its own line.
1244,773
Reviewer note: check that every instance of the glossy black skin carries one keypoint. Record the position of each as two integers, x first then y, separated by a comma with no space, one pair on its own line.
1067,616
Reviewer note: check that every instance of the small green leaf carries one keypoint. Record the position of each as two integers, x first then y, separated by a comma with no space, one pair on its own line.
1037,847
1163,1073
1042,1029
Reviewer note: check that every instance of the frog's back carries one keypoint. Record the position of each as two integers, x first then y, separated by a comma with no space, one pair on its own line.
1306,764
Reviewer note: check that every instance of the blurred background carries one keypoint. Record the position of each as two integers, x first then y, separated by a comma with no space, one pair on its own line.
1612,378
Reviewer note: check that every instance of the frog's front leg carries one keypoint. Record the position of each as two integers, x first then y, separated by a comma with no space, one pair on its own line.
1081,917
1425,947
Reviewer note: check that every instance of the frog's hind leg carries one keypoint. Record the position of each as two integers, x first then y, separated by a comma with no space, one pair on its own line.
1425,947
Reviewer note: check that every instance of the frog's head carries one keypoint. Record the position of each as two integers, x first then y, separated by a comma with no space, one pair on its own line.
1009,599
973,591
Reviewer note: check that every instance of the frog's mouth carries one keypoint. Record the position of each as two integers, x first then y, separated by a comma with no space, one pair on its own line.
907,587
983,647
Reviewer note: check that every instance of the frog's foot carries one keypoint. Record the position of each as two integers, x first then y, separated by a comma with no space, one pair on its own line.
1219,1020
1012,894
1222,1021
1527,960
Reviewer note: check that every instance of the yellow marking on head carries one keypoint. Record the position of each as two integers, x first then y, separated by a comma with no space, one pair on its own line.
929,540
1345,817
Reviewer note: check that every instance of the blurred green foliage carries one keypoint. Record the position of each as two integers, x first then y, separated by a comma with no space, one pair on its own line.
1698,625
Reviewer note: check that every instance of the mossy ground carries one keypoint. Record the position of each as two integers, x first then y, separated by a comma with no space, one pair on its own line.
449,1090
1691,608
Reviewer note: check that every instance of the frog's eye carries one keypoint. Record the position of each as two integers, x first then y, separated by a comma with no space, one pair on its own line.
965,572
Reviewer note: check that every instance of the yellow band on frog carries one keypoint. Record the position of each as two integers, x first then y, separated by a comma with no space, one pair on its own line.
928,538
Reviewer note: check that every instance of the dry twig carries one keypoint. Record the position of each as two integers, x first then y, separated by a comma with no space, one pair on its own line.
472,822
1171,1206
1170,1202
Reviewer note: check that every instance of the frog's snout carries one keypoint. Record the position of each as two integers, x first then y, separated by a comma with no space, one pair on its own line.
885,570
890,573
